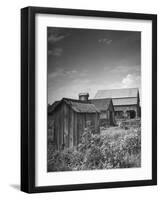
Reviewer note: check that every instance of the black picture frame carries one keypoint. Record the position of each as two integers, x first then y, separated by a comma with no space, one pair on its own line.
28,98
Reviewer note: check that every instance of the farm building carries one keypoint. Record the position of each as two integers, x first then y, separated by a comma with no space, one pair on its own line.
107,115
68,118
126,102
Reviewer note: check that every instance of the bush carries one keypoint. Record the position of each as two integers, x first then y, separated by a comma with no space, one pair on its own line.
120,149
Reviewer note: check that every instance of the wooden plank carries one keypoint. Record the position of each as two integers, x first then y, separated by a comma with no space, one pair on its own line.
59,142
65,127
78,119
71,129
61,127
75,125
74,131
57,130
68,115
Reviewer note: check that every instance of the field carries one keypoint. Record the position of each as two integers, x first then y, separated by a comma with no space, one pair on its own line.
113,147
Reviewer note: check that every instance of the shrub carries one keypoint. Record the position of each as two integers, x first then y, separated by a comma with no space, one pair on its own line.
117,149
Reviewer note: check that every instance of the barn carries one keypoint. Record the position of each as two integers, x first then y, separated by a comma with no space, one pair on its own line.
68,118
126,102
107,116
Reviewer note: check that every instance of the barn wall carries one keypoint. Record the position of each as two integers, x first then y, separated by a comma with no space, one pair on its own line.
127,108
138,107
107,117
111,115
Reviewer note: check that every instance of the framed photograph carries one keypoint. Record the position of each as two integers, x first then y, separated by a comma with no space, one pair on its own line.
88,99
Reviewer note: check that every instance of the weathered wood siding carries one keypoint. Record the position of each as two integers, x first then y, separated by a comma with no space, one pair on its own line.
69,125
111,115
80,123
107,117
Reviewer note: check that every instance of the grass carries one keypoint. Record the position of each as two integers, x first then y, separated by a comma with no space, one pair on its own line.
114,147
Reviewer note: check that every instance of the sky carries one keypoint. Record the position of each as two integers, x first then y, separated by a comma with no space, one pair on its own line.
87,60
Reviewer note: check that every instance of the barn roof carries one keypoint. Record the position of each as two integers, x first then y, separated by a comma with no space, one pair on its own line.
124,101
101,104
116,93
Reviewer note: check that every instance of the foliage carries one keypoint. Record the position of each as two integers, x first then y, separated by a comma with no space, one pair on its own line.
113,148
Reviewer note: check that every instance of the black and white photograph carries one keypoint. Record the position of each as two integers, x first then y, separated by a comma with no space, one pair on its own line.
93,99
89,99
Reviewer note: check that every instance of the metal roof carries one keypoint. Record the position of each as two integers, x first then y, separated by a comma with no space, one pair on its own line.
116,93
124,101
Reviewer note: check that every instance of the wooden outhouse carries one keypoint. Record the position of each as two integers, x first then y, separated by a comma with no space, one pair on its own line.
67,120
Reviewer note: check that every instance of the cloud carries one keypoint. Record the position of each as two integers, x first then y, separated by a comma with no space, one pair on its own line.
55,52
55,38
123,69
76,84
56,35
57,73
131,80
105,41
67,73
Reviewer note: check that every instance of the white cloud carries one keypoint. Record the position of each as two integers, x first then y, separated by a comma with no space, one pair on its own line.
55,52
123,69
55,38
131,80
76,84
56,35
57,73
105,41
70,74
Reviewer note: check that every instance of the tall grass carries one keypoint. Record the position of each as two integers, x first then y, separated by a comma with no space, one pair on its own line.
113,148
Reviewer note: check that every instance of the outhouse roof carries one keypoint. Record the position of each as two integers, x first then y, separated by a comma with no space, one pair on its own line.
82,107
76,105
